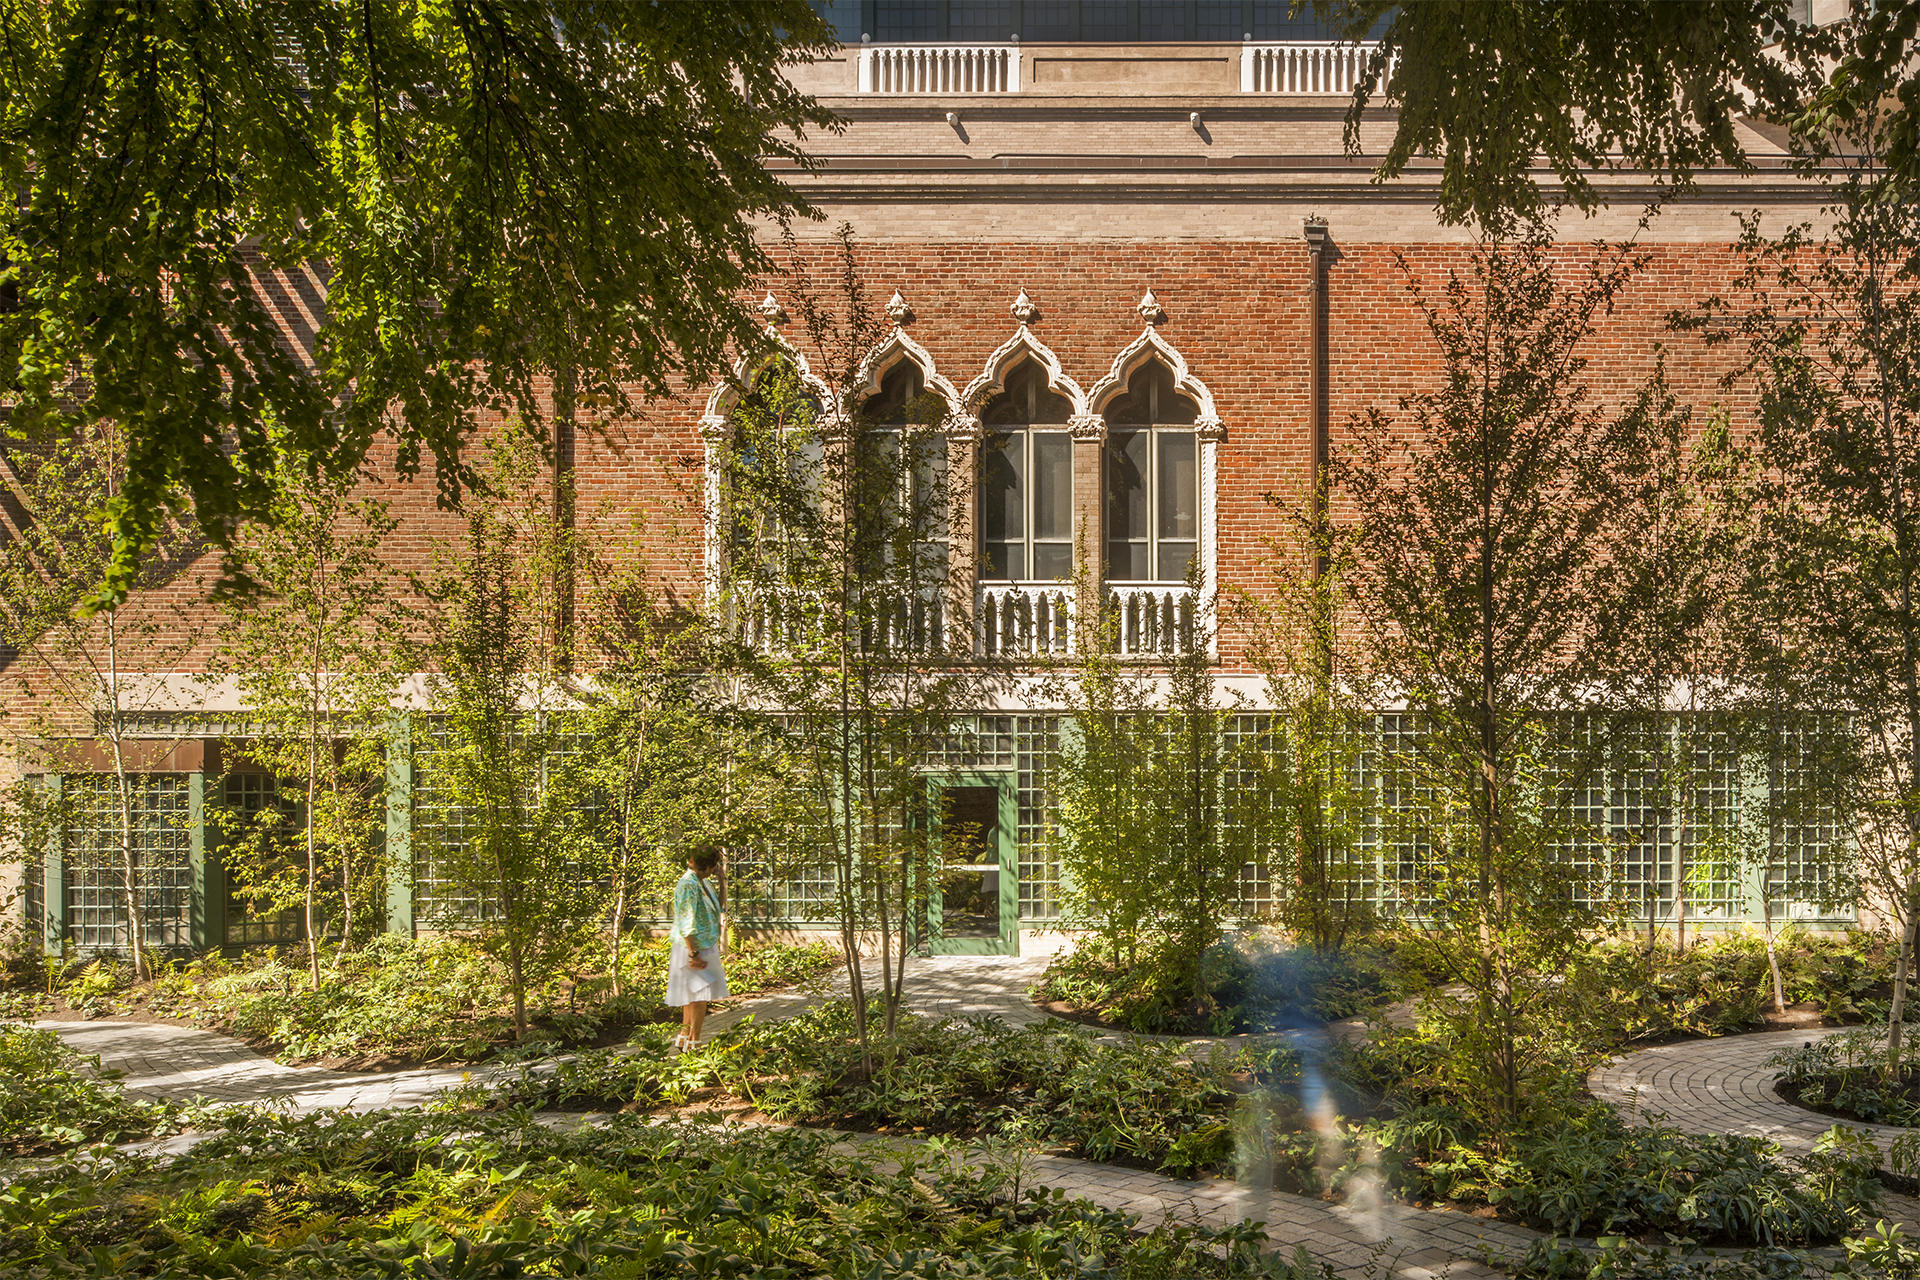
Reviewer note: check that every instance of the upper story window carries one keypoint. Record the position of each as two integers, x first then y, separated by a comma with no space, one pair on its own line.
900,503
1153,480
774,472
1026,481
1070,21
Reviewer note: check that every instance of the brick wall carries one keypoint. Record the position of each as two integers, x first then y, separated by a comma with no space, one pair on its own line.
1237,311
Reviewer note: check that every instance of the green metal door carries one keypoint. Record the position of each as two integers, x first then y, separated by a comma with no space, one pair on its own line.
972,899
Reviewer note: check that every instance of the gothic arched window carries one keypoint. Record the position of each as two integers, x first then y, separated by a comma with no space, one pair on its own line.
901,481
1153,480
1026,481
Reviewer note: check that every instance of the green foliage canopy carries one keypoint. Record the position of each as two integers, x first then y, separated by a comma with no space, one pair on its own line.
1492,89
473,202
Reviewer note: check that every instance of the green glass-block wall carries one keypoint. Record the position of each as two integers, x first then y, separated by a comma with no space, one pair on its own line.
250,922
95,874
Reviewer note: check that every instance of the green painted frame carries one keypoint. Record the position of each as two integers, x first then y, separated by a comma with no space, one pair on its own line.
1006,784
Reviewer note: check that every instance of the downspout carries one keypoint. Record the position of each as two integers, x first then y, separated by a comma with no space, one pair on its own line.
1319,250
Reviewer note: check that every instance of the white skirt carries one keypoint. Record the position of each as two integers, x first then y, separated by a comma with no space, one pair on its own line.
687,985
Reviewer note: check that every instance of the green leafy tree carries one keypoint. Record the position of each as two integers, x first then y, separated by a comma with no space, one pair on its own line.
1491,88
72,667
1319,699
1487,518
1164,806
1828,326
513,834
674,759
478,200
837,580
311,656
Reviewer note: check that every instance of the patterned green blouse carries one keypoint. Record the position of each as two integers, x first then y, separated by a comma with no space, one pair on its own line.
696,911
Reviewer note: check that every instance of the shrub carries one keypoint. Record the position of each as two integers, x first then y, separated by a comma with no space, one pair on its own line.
335,1196
52,1098
1050,1085
1593,1174
1621,995
1845,1075
1257,985
763,966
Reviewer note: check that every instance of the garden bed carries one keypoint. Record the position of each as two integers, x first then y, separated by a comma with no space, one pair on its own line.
1845,1076
1239,1111
397,1002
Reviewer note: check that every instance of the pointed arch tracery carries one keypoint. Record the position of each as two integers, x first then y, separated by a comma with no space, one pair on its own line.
748,370
1147,347
887,355
1023,345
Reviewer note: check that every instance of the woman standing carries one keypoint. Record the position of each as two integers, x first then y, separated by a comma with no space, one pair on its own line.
695,976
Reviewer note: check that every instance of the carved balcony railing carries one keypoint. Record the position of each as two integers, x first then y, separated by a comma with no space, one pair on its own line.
1023,620
883,621
1298,69
1152,620
940,68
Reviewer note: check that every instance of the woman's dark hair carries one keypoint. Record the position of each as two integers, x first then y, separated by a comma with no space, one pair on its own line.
704,859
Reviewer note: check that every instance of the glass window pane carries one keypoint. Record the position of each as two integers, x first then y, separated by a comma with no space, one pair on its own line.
1178,495
1175,559
1127,484
906,20
1003,561
899,389
1002,469
979,19
1127,562
1104,19
1164,20
1218,20
1052,19
1052,485
1052,561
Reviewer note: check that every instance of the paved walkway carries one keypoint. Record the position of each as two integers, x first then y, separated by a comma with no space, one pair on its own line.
1724,1086
1714,1086
161,1061
956,987
1721,1086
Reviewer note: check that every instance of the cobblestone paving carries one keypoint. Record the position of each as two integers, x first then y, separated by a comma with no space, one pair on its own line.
1724,1086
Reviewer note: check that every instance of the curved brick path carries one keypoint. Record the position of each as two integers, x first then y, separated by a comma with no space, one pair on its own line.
1367,1236
1725,1086
1721,1086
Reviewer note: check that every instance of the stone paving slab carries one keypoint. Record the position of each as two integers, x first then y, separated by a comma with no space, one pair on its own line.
161,1061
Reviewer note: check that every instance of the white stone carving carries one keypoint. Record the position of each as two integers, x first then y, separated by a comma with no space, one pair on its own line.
1022,345
747,371
898,311
771,310
1150,309
965,428
892,349
1023,308
1148,346
1088,427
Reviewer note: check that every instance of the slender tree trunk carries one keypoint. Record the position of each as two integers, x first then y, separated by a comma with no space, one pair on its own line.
313,860
123,791
1773,955
1902,978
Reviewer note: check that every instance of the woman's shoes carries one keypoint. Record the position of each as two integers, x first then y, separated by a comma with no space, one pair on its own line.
684,1043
